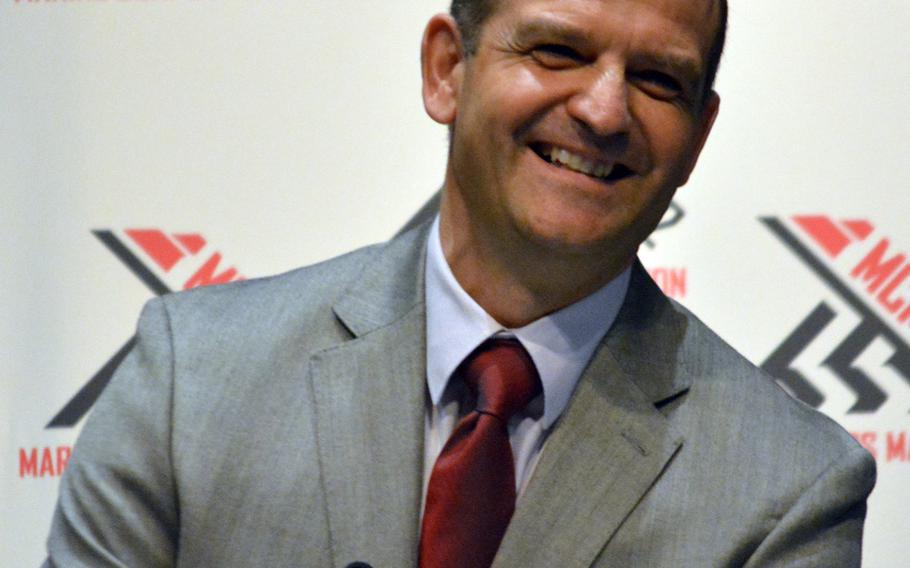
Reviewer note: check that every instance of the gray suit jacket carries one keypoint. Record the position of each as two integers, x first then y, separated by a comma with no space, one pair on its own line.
279,422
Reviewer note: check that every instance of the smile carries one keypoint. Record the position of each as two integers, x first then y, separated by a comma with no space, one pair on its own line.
564,158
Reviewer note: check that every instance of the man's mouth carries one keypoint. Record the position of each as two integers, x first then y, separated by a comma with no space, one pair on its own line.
560,157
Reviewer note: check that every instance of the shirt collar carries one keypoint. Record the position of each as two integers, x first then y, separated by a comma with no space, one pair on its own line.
560,344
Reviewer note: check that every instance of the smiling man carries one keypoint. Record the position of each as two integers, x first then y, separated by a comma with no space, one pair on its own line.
573,124
502,386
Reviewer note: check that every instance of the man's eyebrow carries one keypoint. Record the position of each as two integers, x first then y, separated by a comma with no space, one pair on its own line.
548,29
685,66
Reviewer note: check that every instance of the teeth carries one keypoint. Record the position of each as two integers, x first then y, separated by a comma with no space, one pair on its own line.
577,163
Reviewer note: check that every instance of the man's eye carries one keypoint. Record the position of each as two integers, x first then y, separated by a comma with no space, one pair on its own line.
659,85
556,56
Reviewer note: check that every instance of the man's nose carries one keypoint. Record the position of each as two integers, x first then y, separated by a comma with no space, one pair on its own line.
602,102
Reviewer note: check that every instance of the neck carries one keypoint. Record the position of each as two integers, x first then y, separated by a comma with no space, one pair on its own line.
512,279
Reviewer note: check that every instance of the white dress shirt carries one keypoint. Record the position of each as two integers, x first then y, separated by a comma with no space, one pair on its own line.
560,344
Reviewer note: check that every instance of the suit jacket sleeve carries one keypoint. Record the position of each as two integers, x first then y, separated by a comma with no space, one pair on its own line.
824,527
118,504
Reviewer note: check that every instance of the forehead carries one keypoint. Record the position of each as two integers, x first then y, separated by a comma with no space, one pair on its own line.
653,24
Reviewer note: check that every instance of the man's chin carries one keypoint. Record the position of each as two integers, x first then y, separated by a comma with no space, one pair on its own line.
572,243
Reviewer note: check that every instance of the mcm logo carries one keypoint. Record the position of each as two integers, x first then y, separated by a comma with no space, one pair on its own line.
871,279
163,262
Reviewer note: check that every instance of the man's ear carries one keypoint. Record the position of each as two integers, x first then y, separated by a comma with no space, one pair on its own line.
709,112
441,63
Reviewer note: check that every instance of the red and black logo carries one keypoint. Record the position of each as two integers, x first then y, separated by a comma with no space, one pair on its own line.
870,281
163,262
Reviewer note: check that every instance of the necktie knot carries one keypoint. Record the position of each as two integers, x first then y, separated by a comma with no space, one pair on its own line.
502,375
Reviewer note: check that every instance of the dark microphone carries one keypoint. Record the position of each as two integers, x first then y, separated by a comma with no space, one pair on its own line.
358,564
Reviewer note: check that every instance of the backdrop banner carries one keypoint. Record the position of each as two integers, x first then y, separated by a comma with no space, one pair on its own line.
150,146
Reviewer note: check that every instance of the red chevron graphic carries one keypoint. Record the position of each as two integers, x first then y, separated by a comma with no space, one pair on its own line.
192,242
168,250
164,250
832,237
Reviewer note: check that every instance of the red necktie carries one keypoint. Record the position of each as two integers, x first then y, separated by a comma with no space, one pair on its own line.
471,495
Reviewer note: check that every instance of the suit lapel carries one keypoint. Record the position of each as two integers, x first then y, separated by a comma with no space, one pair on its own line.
611,444
370,396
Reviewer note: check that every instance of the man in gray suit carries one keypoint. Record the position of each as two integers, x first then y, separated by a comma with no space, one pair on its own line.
296,420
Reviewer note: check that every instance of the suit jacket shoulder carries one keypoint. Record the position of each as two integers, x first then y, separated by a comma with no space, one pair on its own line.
758,416
759,479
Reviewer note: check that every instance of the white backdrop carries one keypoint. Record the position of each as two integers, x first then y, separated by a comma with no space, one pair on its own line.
284,132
